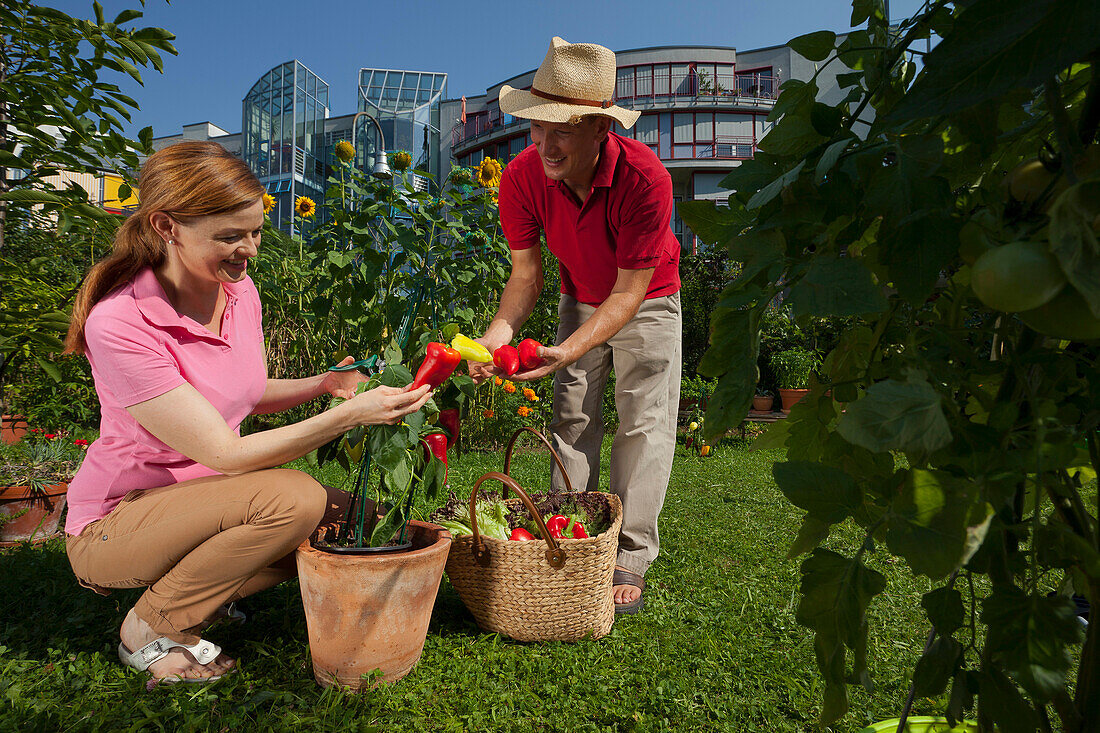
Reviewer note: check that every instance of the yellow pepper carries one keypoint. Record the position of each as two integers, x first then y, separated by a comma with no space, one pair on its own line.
469,349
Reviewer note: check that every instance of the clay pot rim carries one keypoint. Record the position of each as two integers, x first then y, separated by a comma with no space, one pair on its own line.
50,490
381,557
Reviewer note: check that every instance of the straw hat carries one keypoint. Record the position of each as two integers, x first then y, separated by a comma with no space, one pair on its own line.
574,80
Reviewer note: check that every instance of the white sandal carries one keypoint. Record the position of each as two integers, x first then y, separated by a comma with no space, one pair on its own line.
231,614
204,652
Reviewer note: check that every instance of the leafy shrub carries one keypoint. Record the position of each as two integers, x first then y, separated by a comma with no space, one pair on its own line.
794,367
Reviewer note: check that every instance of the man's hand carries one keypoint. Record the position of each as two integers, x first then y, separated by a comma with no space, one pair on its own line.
482,370
553,359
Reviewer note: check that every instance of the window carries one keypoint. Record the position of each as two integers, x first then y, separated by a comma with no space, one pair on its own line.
682,127
624,83
646,130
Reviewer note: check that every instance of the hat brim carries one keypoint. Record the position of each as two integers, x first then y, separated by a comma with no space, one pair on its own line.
521,103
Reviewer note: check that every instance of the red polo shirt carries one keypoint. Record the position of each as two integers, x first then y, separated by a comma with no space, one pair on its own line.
624,223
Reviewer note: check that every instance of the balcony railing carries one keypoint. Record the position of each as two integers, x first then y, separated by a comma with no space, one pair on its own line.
699,86
661,84
723,147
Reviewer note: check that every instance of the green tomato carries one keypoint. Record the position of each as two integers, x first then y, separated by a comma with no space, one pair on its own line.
1067,316
1017,277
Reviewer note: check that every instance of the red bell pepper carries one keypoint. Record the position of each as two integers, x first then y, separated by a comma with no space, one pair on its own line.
575,530
439,363
529,353
436,444
507,359
519,533
555,525
449,421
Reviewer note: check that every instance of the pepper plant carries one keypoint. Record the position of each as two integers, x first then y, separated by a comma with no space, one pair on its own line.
961,431
388,269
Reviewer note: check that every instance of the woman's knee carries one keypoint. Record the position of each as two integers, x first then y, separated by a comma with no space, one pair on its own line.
294,494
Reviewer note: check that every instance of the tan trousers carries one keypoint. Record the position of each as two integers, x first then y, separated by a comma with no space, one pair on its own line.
646,355
202,543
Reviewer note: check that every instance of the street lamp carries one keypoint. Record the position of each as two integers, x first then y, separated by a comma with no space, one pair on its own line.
381,165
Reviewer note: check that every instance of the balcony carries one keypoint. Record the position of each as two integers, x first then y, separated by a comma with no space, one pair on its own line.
657,89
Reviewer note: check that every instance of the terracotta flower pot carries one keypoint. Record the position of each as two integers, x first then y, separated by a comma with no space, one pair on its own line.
13,428
791,397
36,515
370,611
762,404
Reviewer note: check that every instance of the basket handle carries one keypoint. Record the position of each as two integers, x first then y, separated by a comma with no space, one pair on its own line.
555,555
554,453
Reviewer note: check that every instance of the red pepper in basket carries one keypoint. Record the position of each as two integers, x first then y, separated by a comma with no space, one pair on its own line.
436,443
529,353
519,533
575,530
449,421
439,363
555,525
507,359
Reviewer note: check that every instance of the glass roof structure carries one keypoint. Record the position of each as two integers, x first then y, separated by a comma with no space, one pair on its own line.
283,134
407,106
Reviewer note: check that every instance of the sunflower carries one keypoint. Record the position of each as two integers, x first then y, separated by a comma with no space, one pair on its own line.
488,173
401,160
344,151
305,207
269,202
523,411
509,387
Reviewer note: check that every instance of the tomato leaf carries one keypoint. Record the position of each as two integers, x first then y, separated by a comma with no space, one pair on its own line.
836,286
893,415
931,519
827,493
1074,242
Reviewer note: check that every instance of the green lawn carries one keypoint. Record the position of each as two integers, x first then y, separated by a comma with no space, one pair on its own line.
717,648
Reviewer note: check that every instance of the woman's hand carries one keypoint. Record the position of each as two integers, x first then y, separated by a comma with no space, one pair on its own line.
387,405
343,384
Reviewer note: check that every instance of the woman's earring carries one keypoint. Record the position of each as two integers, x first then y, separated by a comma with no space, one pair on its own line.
171,241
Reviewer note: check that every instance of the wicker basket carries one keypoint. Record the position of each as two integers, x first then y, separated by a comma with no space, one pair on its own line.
554,590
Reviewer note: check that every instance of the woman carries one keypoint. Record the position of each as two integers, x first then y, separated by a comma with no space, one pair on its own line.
171,496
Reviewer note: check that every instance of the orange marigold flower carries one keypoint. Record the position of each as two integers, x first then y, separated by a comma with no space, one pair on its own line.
509,387
498,381
523,411
488,414
529,393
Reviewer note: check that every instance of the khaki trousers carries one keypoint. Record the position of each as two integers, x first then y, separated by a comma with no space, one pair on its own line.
646,354
202,543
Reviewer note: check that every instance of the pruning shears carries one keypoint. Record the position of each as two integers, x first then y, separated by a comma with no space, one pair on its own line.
370,365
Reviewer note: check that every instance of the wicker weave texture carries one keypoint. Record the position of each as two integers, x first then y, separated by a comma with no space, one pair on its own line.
519,595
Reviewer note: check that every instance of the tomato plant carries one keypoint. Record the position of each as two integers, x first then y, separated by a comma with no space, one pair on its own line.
967,441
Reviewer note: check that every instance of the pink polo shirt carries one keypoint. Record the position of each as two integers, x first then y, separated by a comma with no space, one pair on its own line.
139,348
625,223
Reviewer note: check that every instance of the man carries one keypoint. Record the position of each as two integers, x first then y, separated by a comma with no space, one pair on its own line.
604,203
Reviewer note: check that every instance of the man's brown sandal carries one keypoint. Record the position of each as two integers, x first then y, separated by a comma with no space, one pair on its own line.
625,577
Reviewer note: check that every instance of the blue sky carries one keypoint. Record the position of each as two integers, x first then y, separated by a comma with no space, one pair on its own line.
226,45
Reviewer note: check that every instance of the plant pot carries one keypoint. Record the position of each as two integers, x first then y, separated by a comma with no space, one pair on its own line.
13,428
371,611
687,404
791,397
27,516
922,724
762,404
